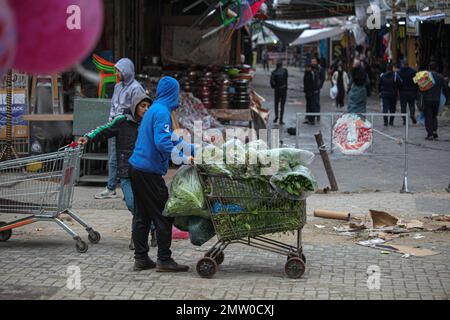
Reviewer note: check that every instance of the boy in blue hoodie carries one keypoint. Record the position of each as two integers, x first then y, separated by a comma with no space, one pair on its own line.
149,163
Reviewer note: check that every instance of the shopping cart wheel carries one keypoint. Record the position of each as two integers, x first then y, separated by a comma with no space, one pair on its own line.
81,246
207,267
303,257
5,235
295,268
94,237
219,258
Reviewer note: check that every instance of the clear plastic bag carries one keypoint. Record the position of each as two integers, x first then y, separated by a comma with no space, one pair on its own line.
213,161
235,156
186,195
297,184
285,159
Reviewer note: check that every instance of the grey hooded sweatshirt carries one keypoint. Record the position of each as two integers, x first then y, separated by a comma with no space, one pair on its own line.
126,90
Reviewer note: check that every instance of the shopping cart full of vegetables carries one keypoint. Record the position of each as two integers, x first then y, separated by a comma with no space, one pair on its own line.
41,188
245,211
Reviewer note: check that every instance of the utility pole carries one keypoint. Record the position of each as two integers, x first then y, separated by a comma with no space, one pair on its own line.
394,32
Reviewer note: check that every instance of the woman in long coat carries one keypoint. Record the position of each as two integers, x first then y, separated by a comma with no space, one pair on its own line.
357,98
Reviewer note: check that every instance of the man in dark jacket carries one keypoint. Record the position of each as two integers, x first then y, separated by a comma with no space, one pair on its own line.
279,82
408,91
431,100
308,88
319,80
155,146
124,128
389,85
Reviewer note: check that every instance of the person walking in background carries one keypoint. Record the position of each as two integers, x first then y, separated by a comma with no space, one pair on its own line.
124,93
431,100
319,79
265,59
308,88
389,86
446,75
341,81
408,91
279,82
357,97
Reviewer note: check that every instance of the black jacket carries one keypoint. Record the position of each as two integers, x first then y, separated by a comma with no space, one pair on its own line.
408,86
308,83
125,129
279,79
390,83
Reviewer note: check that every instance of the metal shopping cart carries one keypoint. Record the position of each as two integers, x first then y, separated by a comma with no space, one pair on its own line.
40,188
242,211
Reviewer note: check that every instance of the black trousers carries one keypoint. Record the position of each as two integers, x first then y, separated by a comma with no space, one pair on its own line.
408,99
280,99
431,109
389,106
150,196
310,108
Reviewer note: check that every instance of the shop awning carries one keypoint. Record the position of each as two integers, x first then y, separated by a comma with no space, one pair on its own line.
265,36
286,31
314,35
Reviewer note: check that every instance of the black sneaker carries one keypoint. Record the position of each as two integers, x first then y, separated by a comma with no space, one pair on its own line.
429,138
275,121
143,264
170,266
282,123
413,119
435,136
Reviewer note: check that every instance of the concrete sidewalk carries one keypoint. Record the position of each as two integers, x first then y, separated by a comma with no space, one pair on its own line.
35,262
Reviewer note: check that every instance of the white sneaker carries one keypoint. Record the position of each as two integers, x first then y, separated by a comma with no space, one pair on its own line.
106,194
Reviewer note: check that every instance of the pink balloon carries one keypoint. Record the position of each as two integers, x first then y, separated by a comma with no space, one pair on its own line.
54,35
7,37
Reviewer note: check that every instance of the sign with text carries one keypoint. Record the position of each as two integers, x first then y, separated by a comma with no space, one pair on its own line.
19,107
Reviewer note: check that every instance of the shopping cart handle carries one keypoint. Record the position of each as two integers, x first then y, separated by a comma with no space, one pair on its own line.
72,145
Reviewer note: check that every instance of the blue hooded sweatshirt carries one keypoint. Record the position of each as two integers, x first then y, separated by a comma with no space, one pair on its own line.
156,140
126,90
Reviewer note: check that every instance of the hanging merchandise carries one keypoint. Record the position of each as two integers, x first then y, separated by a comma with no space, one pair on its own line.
7,37
54,35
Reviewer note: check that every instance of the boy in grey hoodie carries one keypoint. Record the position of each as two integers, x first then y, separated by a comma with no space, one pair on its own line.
124,94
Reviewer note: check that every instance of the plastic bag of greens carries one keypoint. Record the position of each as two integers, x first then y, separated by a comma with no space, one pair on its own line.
257,145
201,230
297,184
213,161
185,194
285,159
234,151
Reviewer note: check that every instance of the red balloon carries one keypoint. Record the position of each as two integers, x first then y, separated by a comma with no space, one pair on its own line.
54,35
7,37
